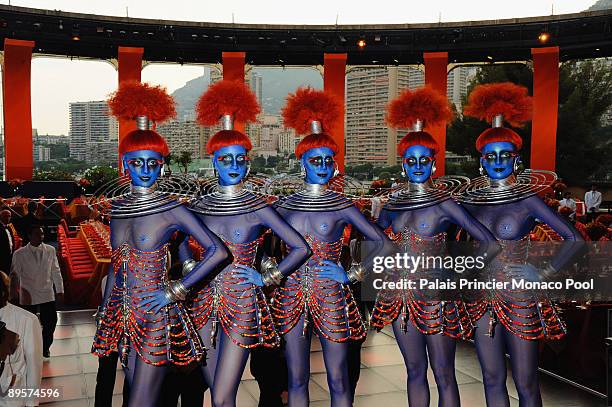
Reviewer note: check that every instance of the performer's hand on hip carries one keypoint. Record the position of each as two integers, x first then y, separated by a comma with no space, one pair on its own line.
249,274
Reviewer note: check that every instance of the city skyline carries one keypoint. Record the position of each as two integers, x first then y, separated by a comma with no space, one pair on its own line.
368,138
57,80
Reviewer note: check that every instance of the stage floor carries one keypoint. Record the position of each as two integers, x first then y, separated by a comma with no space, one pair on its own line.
383,376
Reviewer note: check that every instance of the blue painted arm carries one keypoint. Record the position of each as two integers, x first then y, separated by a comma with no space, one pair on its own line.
298,249
569,234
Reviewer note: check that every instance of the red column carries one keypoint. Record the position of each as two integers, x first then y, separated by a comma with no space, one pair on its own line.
130,67
334,73
233,70
545,107
17,98
436,74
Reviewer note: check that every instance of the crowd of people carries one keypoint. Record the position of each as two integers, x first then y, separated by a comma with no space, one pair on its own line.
588,218
30,284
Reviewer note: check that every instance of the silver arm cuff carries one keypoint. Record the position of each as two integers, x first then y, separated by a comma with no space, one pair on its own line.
188,265
356,273
99,314
176,291
271,274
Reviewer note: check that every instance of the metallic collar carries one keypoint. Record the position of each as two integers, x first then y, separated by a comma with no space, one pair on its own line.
507,182
315,189
419,186
136,190
230,190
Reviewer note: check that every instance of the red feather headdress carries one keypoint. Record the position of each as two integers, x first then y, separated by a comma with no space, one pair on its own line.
227,98
506,98
307,105
421,104
134,99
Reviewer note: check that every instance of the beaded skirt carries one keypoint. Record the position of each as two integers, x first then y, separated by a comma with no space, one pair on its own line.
237,307
521,312
167,337
427,316
325,304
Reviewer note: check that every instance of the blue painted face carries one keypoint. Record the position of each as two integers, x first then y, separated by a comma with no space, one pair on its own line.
144,166
319,165
498,159
231,163
418,163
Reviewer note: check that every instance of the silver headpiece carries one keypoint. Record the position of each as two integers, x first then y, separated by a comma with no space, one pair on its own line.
142,122
227,122
316,127
418,125
498,121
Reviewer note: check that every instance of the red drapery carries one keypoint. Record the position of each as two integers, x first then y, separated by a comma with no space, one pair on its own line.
334,66
436,74
545,107
17,98
233,70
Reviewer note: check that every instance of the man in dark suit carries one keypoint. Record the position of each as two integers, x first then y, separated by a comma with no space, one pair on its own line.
7,241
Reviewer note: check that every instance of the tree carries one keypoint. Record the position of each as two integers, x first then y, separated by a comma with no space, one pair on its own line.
272,161
183,160
98,176
463,131
585,94
52,175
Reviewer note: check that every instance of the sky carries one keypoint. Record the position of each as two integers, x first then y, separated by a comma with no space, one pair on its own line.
58,81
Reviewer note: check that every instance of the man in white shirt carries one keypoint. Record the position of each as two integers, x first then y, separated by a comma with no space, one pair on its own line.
37,272
22,368
568,202
592,200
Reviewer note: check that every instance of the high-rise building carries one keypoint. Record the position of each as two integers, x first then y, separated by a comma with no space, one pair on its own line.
368,91
182,136
257,87
41,153
102,152
457,84
287,141
90,122
51,139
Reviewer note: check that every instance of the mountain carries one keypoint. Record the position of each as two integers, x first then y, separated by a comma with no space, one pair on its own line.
277,83
601,5
187,96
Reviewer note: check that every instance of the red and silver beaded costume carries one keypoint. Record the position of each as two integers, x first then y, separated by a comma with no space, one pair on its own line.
167,337
328,305
240,308
521,312
428,317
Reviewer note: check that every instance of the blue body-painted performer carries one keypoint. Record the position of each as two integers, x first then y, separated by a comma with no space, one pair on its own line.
142,315
317,297
419,213
231,310
504,200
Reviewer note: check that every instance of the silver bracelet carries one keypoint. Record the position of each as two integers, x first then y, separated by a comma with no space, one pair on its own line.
271,275
176,291
188,265
356,273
